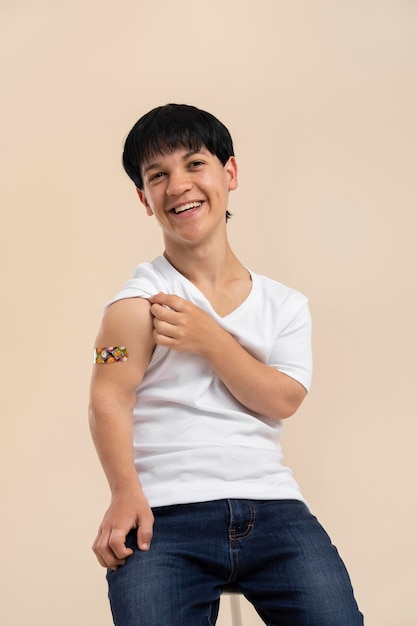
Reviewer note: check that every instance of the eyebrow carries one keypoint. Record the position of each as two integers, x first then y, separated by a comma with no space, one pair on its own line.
157,164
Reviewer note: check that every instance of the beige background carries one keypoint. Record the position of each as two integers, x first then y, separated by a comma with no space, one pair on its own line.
321,99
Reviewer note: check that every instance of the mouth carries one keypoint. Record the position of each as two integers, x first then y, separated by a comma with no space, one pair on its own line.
186,207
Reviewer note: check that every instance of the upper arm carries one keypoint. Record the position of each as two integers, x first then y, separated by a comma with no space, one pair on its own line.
125,323
291,353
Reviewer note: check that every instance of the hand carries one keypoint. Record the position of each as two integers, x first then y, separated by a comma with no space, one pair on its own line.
181,325
126,511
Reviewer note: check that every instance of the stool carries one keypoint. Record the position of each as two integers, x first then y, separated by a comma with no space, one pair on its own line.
234,599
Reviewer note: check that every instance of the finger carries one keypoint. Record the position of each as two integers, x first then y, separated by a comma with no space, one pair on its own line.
161,312
105,555
168,300
163,340
108,560
164,328
158,298
99,558
117,544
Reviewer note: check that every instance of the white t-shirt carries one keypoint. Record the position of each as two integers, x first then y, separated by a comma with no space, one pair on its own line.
193,441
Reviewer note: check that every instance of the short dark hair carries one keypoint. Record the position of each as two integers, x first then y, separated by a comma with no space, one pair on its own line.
169,127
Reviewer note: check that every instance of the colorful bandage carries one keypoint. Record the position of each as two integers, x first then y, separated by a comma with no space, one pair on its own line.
112,354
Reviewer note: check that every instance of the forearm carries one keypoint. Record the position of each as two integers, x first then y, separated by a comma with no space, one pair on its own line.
112,432
181,325
260,387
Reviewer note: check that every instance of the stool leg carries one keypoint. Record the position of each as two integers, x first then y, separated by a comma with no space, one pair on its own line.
235,609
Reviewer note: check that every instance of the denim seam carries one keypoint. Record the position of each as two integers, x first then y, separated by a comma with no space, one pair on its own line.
235,537
251,525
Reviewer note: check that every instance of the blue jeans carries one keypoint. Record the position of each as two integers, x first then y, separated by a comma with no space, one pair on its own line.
274,552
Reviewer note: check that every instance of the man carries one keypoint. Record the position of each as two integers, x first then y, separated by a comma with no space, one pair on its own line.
198,362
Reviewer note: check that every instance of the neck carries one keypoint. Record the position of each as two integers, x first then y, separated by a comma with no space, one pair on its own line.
210,264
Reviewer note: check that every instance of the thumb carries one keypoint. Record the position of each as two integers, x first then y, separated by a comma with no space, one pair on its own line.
144,534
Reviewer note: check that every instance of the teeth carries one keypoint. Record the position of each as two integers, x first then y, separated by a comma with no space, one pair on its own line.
187,207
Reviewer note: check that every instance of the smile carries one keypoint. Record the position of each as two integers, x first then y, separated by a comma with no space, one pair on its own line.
186,207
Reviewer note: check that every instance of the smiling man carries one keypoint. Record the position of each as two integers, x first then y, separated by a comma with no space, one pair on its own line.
203,360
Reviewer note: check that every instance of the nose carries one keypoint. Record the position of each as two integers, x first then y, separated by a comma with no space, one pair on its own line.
178,183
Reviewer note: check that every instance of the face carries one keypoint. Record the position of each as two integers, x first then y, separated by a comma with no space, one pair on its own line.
187,192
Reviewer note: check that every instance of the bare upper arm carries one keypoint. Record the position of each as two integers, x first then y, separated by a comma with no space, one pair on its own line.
125,323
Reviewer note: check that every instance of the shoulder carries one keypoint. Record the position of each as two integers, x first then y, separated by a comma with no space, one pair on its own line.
279,293
147,280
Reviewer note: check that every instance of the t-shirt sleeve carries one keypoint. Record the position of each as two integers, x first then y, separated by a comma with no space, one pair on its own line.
291,353
144,284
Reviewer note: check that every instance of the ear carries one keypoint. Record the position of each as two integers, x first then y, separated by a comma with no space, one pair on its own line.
231,171
144,201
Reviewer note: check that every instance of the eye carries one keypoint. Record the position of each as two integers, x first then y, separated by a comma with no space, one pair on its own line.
153,178
196,163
